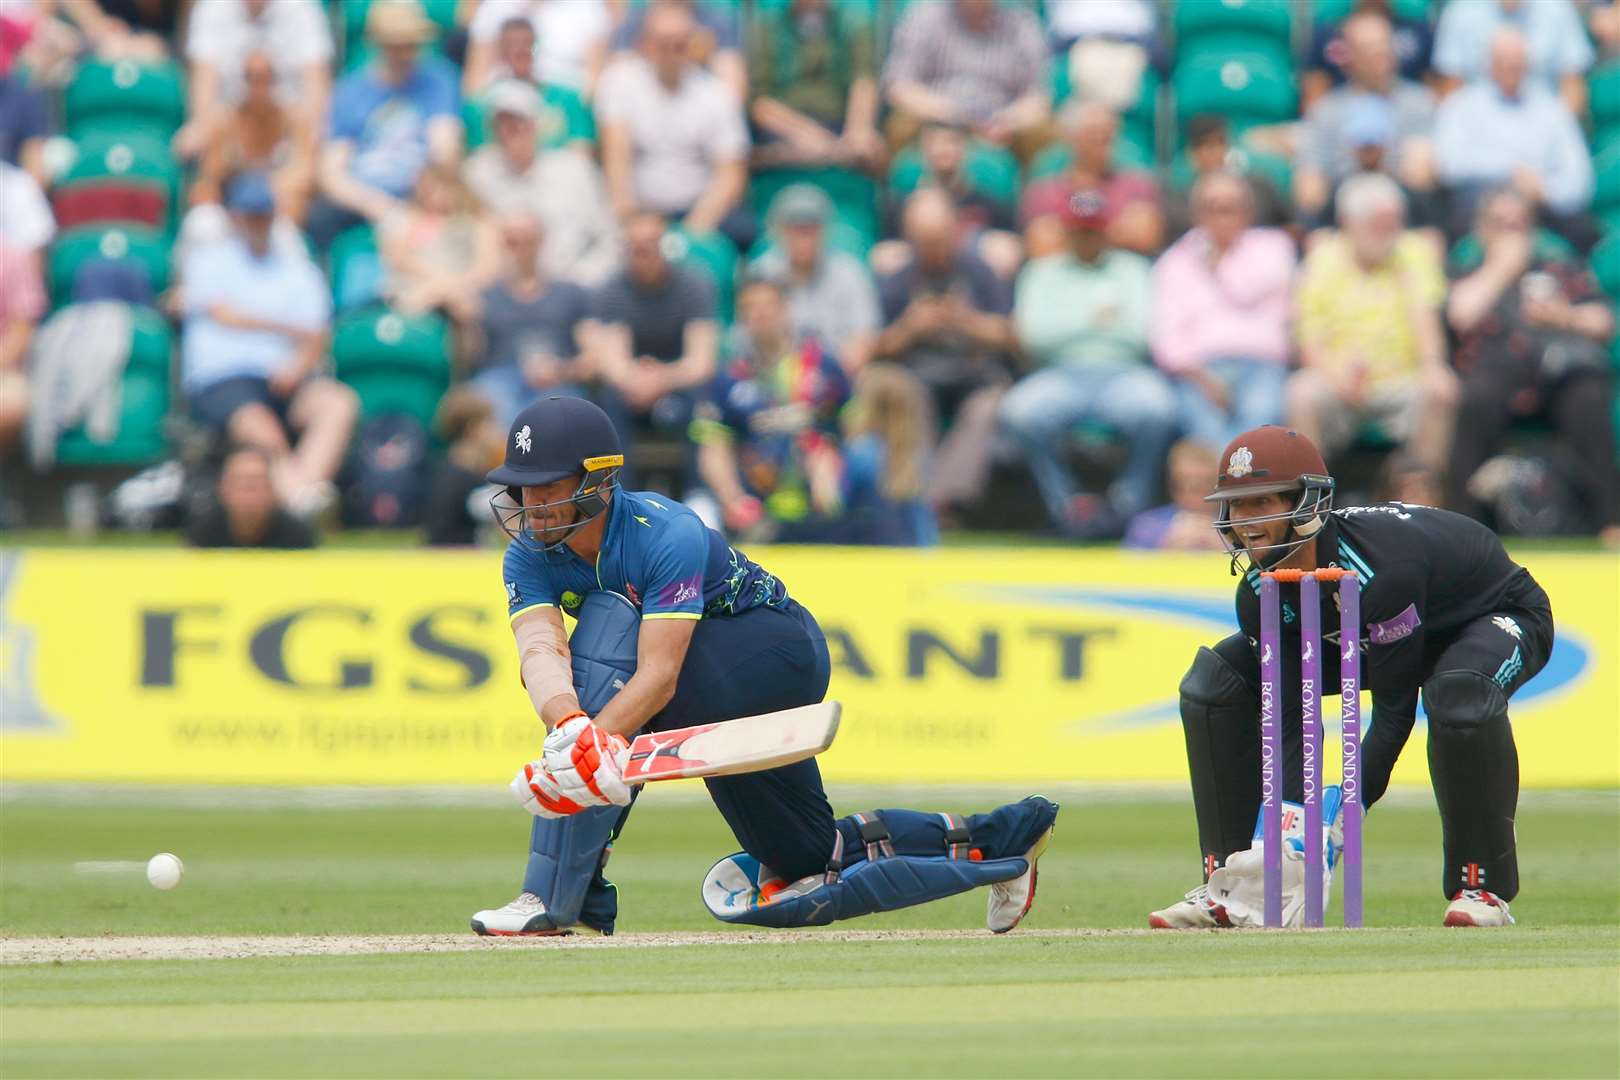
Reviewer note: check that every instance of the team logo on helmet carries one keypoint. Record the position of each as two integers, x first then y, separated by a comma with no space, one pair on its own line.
522,437
1241,463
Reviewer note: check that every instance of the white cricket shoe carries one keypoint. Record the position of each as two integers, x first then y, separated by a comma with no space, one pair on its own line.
1476,907
524,917
1195,911
1010,901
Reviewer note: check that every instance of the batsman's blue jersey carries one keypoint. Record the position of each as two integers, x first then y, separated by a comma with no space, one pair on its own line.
655,551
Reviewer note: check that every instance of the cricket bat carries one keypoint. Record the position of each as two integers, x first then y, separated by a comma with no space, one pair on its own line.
749,744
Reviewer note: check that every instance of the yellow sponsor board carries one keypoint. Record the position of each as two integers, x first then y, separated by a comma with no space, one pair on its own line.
398,667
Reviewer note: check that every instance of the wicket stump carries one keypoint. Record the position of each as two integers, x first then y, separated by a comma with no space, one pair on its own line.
1271,743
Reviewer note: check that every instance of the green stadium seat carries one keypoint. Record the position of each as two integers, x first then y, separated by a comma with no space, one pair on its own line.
141,438
1333,11
130,179
125,98
145,247
1056,159
1249,89
354,268
564,118
840,237
1606,265
1603,93
1606,188
989,169
855,196
712,255
1234,25
1467,253
397,365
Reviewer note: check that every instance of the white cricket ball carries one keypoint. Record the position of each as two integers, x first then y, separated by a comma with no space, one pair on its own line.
164,870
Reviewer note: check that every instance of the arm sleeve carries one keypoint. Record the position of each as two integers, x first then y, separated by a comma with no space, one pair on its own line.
697,297
674,570
1575,53
1569,173
528,586
1383,740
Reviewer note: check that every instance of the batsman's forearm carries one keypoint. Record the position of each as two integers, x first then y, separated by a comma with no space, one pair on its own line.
642,698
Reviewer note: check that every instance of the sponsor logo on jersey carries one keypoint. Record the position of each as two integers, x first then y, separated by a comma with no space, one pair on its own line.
1392,630
1507,625
513,595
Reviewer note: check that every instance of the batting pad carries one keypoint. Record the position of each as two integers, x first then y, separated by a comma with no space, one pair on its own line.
736,891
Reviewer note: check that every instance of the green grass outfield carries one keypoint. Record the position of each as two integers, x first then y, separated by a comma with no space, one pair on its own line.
1068,997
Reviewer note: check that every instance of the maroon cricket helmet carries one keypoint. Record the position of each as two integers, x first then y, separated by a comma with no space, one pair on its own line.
1268,459
1272,460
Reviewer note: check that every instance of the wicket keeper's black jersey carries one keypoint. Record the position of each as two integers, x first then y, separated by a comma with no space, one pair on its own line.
1425,575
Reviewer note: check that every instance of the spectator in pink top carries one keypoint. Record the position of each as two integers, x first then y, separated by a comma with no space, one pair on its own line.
1221,331
22,304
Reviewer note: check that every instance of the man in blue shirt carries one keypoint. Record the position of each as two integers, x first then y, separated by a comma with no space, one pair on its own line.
1510,130
388,119
677,628
253,348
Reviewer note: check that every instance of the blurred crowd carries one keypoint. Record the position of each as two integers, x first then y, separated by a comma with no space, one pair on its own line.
843,271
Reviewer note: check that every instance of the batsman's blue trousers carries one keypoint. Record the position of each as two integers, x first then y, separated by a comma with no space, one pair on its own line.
759,661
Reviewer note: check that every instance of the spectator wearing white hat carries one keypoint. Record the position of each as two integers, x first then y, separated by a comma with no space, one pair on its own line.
561,187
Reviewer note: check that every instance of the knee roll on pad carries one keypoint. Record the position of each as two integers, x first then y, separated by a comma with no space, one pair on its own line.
1463,703
1213,681
603,647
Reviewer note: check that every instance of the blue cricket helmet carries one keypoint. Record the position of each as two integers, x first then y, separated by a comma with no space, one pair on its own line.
558,437
554,439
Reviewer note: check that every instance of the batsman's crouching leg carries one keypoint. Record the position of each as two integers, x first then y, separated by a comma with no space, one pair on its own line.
884,860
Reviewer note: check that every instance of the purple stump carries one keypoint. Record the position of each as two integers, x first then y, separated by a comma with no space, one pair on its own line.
1271,747
1310,724
1350,737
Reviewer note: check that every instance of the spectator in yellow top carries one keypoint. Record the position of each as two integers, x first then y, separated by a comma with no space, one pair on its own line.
1372,347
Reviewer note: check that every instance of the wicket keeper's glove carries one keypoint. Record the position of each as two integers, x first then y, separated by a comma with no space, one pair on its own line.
1240,885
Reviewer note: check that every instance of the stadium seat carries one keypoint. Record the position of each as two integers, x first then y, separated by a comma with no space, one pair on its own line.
1467,253
1606,265
1603,90
840,237
1057,158
355,268
712,255
855,196
1228,28
141,439
397,365
1249,89
990,170
1243,160
118,179
564,118
1327,12
146,248
357,50
1606,175
125,98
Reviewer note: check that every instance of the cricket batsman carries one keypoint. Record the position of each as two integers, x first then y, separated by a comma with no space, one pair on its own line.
676,628
1446,616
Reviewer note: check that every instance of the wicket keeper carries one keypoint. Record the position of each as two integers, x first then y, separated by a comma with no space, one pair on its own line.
675,628
1446,616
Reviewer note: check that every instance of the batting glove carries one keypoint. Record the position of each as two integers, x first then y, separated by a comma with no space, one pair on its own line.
540,794
588,763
